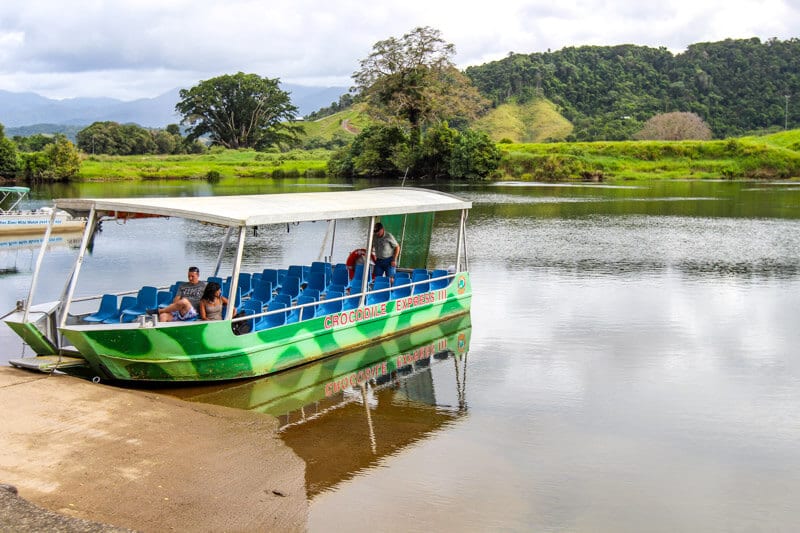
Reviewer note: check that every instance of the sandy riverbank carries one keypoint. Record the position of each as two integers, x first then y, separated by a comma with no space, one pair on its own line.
139,460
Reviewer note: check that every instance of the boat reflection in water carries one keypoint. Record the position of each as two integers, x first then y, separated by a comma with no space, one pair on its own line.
18,252
342,414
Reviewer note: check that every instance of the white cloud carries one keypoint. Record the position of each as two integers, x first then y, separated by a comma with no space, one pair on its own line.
140,48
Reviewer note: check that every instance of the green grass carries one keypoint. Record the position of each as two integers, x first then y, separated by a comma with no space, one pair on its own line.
328,127
775,156
216,163
531,122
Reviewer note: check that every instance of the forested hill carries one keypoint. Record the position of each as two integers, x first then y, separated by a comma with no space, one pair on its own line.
607,92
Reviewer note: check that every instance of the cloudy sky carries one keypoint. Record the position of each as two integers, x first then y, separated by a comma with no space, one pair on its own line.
130,49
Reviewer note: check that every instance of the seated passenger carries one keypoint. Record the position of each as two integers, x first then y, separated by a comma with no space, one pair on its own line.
210,306
187,299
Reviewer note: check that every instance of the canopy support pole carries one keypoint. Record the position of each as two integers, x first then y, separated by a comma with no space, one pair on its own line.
332,226
460,249
222,249
38,267
365,274
76,271
237,265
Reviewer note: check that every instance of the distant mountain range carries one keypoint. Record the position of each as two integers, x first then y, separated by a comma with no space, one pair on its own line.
20,110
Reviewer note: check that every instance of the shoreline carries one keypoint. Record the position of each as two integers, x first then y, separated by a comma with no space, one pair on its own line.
139,460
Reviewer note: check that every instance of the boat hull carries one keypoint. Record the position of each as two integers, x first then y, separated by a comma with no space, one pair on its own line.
210,351
27,223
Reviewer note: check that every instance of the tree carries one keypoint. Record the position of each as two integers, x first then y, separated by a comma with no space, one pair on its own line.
386,150
676,126
65,162
8,156
33,143
433,155
379,150
239,111
474,156
413,79
59,161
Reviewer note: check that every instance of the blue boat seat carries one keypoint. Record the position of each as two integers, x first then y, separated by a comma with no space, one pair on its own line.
381,283
262,291
164,298
439,283
245,283
327,307
377,297
325,268
271,275
340,275
402,288
126,303
419,273
333,287
291,286
107,309
282,273
312,293
146,298
298,314
359,271
253,306
283,298
316,280
351,302
273,320
297,271
420,279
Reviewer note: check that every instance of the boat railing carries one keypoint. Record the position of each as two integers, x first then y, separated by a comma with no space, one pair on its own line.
411,285
119,293
340,298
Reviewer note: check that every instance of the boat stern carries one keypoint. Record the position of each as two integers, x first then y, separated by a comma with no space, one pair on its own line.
39,329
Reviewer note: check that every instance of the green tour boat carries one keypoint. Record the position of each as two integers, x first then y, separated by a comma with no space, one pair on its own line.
279,318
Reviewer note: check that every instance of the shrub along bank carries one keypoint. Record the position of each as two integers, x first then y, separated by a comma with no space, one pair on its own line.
774,156
770,157
217,163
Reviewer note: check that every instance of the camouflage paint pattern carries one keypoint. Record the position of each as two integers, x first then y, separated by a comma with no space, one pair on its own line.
210,351
377,364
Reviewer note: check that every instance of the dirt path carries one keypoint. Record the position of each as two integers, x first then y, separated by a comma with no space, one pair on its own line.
139,460
349,128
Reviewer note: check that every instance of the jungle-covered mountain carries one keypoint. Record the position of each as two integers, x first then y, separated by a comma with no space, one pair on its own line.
607,92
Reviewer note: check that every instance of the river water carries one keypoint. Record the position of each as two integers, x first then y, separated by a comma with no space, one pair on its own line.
630,364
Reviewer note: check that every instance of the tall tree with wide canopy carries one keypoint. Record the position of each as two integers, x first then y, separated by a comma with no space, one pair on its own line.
413,79
239,111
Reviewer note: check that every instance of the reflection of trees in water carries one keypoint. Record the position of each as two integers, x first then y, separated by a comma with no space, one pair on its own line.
763,269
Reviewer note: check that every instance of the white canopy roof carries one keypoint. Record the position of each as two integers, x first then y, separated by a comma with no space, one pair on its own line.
262,209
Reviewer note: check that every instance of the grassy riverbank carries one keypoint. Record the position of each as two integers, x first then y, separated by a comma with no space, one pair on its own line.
775,156
215,164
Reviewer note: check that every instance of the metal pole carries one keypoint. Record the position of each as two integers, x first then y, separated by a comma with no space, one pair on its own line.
39,259
460,246
237,264
222,249
333,239
402,239
365,274
76,271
